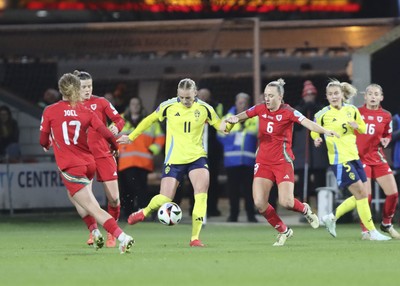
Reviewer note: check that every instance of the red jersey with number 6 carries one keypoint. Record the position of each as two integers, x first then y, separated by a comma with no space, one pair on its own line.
379,125
104,109
68,127
275,133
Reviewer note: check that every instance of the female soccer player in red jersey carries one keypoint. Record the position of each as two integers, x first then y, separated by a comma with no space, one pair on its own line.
67,123
274,160
106,166
370,147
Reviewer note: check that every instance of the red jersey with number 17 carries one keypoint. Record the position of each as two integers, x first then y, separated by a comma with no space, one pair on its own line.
379,125
68,127
275,133
103,109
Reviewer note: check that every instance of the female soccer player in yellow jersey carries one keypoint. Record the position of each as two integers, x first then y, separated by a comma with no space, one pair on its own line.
345,162
184,153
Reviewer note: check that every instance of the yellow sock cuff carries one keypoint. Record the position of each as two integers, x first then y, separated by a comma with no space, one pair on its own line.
364,212
198,214
201,196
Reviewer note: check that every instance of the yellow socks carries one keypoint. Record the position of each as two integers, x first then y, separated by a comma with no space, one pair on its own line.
347,205
198,214
155,203
364,212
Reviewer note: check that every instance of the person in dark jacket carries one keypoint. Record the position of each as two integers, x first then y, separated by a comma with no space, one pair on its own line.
240,146
311,163
9,136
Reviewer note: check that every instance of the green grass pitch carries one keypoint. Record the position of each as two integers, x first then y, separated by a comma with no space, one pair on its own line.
52,251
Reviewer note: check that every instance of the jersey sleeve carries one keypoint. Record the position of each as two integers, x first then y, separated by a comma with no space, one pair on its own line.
113,115
144,124
388,129
296,116
45,123
317,120
95,121
362,127
252,111
213,118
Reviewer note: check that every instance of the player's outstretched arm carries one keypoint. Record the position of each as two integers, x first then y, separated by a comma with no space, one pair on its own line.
312,126
142,126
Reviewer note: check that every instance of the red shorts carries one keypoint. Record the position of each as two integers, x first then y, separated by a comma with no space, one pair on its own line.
76,178
106,169
276,173
377,171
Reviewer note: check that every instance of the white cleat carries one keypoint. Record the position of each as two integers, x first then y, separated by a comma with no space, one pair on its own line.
376,235
311,217
282,237
365,235
330,223
390,230
98,239
126,245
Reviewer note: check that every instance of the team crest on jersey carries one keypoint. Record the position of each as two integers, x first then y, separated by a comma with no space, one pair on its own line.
279,117
379,118
197,114
93,106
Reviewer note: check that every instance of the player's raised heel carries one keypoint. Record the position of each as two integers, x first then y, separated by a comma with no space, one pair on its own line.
90,240
111,240
390,230
98,239
136,217
311,217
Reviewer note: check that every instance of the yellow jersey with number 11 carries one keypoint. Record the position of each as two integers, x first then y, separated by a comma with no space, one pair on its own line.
184,134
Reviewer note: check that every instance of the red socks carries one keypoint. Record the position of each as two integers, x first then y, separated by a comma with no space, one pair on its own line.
90,222
299,206
114,211
389,208
272,217
112,227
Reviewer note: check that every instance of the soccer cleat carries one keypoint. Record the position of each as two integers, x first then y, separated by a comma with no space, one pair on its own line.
390,230
330,224
126,245
376,235
98,239
136,217
282,237
365,235
196,243
111,240
90,239
311,217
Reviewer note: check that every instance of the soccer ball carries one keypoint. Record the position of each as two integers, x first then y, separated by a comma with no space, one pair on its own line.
169,214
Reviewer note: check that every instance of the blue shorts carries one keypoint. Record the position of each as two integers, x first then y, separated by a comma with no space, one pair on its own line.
177,171
348,173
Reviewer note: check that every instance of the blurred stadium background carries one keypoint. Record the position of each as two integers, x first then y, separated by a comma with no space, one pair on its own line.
143,48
